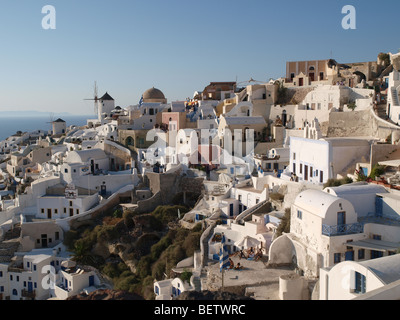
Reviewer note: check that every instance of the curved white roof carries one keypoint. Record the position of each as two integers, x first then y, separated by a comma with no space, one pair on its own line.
386,268
316,201
354,188
84,155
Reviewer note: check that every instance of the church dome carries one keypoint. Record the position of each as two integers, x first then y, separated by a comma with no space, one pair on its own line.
153,94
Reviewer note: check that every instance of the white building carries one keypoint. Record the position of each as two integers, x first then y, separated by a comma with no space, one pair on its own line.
59,126
350,279
80,163
393,104
42,274
105,106
170,288
317,160
59,206
326,230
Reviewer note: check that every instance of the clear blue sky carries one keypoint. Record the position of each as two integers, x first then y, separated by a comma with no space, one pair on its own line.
178,46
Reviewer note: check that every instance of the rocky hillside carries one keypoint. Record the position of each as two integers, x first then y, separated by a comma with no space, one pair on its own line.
211,295
105,294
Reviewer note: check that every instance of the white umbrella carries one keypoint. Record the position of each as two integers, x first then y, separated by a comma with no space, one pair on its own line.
247,242
68,264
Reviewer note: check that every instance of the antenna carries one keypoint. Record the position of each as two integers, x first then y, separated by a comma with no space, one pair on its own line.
95,98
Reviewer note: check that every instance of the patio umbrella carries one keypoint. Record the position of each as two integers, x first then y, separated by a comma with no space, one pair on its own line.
247,242
68,264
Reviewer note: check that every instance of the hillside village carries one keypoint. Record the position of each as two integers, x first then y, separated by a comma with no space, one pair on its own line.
281,190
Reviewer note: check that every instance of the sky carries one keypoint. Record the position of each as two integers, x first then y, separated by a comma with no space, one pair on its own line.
177,46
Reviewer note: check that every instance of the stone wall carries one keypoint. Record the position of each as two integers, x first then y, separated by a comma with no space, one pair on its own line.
359,123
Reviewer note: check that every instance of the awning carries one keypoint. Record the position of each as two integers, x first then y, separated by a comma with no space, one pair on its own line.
390,163
376,245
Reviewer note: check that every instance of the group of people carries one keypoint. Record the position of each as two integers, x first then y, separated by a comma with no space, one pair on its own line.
250,254
232,265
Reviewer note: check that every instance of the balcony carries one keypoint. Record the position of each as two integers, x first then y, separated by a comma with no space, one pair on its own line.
28,294
341,230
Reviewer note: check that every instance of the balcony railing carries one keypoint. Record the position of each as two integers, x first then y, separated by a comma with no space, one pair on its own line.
28,294
343,229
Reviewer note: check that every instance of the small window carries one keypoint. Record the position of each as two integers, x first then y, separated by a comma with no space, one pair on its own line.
377,237
42,210
65,170
337,258
57,236
360,283
299,214
361,254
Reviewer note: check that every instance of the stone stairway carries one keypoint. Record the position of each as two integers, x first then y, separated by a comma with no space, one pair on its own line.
7,250
205,237
395,97
241,217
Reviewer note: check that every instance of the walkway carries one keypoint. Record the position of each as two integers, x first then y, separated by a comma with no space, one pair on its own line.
261,283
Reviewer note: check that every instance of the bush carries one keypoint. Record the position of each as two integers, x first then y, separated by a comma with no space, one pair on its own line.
144,267
159,247
185,276
106,233
70,237
277,196
192,243
167,214
352,106
146,242
337,182
377,171
126,282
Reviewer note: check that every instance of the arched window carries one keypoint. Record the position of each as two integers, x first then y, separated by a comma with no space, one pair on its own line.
15,292
311,68
130,141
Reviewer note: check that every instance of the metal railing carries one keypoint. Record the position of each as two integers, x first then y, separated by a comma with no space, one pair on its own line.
28,294
343,229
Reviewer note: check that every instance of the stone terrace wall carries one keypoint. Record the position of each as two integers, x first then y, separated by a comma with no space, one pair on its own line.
359,123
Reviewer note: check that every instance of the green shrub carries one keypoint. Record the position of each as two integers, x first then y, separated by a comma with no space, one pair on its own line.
337,182
159,247
377,171
191,243
70,237
277,196
168,213
144,267
185,276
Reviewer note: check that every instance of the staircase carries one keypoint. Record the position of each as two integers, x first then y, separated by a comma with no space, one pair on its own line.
205,237
395,97
240,218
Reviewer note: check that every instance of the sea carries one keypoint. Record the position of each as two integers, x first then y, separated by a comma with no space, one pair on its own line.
10,124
